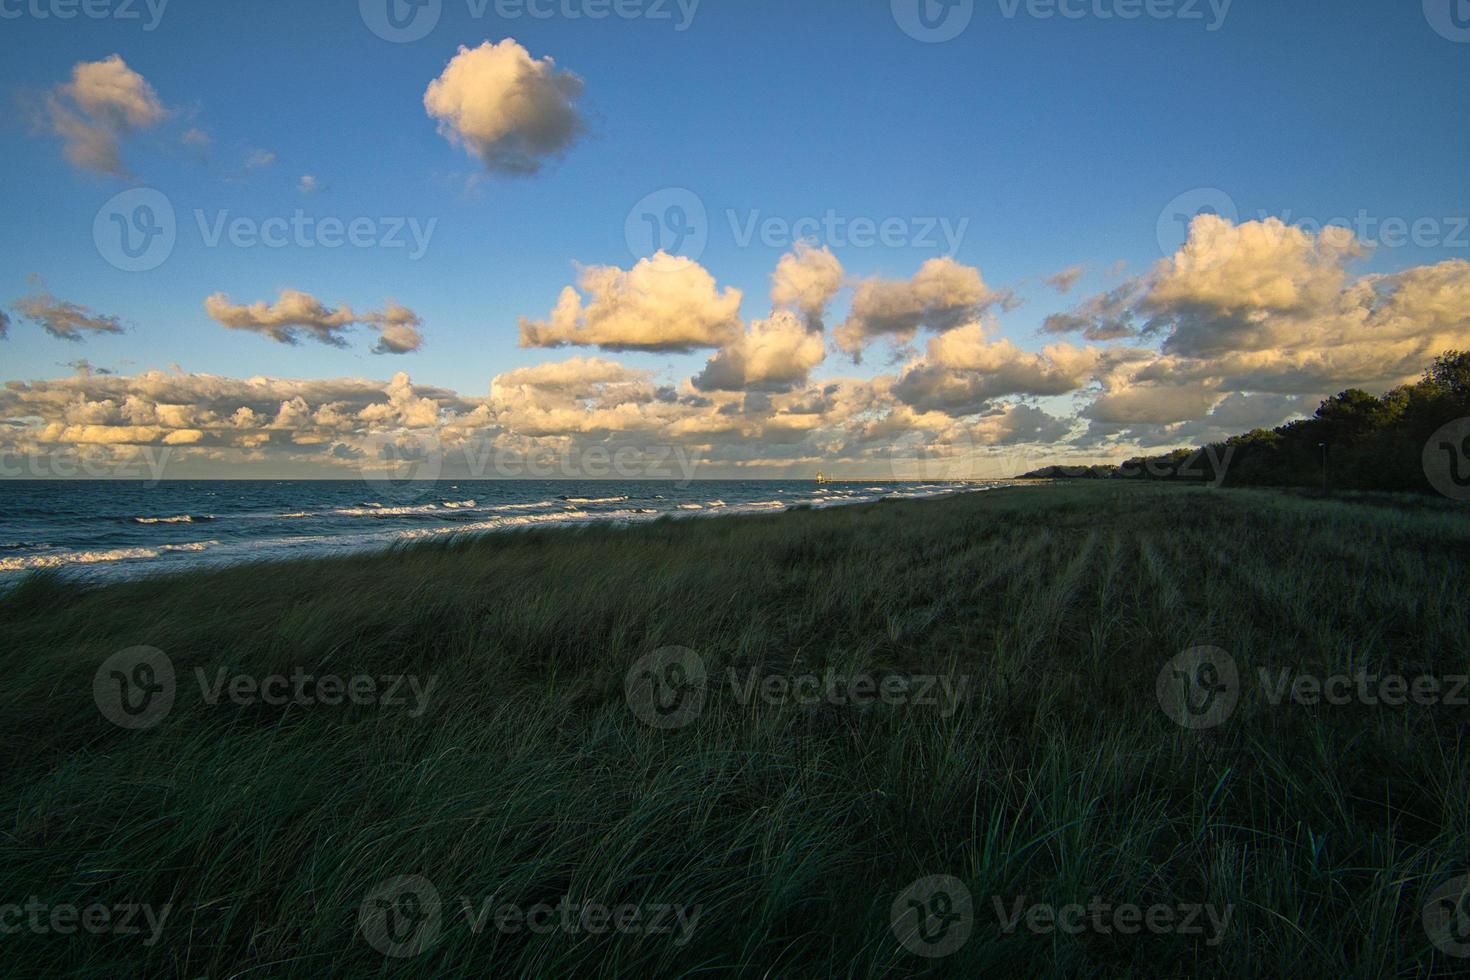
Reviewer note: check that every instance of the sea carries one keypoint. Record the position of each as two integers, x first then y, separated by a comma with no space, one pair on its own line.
109,529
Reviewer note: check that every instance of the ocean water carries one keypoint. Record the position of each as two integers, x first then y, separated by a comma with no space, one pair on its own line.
110,529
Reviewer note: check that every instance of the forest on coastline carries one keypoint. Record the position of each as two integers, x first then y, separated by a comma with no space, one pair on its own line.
1355,440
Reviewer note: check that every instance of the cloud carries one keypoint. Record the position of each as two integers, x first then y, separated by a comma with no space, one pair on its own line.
1105,316
805,280
197,138
67,321
773,354
1063,281
308,184
942,295
510,110
258,159
295,314
4,324
664,303
398,329
964,371
104,102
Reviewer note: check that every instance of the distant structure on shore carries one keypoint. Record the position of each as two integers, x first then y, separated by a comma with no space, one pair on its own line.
822,477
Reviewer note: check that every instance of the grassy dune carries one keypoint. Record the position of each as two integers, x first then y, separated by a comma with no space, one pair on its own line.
792,827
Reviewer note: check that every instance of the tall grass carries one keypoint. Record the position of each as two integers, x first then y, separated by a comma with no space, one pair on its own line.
793,828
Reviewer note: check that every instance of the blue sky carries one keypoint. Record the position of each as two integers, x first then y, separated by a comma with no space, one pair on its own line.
1053,141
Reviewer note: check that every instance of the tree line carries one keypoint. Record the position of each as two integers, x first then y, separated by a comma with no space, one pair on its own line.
1355,440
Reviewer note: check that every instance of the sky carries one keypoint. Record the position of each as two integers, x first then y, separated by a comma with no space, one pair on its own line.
285,239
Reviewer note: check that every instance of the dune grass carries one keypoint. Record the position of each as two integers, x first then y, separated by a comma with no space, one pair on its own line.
792,827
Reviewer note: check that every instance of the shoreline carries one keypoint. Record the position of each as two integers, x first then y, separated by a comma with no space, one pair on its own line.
130,561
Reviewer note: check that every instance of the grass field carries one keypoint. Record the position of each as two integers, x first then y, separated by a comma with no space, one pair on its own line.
1022,746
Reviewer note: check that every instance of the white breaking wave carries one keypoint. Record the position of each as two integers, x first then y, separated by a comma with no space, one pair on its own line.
96,557
179,519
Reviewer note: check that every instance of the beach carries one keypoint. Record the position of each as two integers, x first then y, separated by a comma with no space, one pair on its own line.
744,745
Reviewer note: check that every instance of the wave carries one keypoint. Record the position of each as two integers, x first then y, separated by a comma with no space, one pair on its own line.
379,510
97,557
178,519
459,504
593,500
539,503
